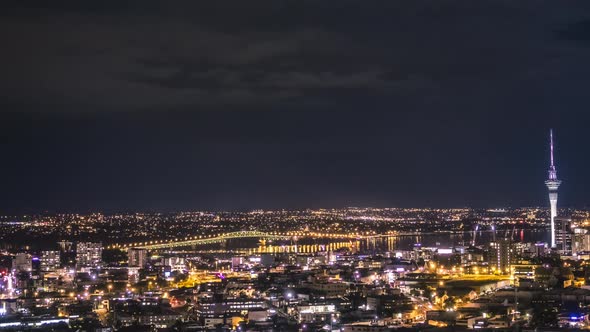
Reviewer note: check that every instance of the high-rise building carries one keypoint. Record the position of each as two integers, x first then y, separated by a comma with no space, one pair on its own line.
175,263
580,239
88,254
50,260
137,257
500,256
22,262
563,235
65,246
552,184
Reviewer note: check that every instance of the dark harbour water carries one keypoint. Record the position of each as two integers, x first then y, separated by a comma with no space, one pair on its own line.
381,244
407,242
377,244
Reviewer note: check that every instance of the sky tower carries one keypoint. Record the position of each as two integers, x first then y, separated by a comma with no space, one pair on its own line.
552,184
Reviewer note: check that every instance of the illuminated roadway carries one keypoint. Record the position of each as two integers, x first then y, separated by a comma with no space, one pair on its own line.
199,240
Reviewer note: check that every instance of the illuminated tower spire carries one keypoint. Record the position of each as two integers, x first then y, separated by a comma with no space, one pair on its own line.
552,184
552,170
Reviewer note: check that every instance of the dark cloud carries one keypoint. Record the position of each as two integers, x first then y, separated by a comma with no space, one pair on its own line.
149,54
577,31
233,104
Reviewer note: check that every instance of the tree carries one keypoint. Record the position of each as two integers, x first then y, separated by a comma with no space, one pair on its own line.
544,317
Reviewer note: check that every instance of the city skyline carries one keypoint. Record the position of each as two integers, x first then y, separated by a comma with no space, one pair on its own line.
294,166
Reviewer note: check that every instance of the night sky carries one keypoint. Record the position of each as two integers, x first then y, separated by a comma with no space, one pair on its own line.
188,105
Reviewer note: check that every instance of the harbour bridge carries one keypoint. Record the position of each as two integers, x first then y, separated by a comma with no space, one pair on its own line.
219,238
198,240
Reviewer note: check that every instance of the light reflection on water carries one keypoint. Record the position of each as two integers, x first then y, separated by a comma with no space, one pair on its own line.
378,244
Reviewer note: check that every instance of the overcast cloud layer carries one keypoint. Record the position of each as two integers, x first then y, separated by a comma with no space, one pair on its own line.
148,54
240,104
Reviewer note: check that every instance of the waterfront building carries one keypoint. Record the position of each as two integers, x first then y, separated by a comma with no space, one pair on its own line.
563,235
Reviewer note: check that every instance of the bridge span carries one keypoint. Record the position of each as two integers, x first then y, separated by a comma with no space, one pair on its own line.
199,240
